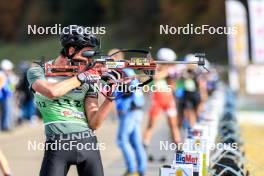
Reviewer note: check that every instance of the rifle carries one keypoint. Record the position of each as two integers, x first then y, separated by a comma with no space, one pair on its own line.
146,63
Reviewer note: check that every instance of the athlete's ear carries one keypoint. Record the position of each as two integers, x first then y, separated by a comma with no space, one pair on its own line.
71,50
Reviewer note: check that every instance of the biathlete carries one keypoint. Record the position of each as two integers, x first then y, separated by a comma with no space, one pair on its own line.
70,110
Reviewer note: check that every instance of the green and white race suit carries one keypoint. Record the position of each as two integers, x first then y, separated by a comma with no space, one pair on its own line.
65,114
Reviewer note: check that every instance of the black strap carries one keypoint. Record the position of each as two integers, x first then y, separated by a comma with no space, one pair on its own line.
41,62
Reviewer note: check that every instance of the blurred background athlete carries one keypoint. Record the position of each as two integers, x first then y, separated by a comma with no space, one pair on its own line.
129,107
163,99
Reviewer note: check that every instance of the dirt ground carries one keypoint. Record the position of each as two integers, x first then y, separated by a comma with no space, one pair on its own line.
252,130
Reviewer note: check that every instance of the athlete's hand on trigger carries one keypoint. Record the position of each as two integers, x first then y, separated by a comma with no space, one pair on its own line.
112,78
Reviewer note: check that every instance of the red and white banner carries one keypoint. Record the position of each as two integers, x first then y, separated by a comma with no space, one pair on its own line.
256,15
236,17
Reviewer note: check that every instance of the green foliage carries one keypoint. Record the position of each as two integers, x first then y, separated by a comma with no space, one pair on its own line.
30,51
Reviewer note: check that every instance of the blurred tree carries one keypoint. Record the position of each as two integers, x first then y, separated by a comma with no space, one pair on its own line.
135,19
15,15
203,12
130,23
81,12
9,15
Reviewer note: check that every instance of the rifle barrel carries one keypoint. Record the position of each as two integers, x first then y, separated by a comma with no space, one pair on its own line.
176,62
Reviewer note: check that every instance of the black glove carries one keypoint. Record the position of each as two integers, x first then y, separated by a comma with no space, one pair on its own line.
88,77
112,79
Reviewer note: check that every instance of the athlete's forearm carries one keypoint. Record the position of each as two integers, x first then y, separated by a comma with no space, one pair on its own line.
53,90
97,119
4,164
63,87
161,75
2,81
